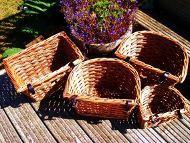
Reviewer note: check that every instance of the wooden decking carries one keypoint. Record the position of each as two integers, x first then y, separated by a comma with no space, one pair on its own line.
48,121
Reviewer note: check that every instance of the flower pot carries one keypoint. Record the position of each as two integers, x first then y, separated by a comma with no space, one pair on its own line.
101,49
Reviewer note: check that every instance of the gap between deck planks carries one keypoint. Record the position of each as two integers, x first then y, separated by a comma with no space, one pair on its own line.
58,128
7,131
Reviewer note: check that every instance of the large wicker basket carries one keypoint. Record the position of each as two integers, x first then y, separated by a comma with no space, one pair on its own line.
160,104
105,88
36,70
156,57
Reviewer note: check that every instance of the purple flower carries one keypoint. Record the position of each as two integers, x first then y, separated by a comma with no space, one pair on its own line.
84,21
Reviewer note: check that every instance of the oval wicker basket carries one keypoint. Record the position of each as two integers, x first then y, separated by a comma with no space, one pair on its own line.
38,70
156,57
105,88
160,104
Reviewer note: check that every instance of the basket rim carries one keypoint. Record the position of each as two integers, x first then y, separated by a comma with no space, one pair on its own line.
30,48
184,71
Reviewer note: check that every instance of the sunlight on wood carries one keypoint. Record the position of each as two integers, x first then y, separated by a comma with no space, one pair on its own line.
9,7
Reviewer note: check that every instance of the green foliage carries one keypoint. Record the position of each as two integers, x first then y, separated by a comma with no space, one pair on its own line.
37,6
29,30
11,51
105,8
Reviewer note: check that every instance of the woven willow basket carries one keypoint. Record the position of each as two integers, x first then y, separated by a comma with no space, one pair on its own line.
37,70
157,58
160,104
105,88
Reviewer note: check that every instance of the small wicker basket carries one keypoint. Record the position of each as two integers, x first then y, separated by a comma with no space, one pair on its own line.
160,104
157,58
36,70
105,88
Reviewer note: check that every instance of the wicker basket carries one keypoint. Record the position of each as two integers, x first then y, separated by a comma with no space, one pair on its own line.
160,104
36,70
105,88
157,58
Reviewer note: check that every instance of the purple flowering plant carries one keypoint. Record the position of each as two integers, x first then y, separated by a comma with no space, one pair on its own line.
99,21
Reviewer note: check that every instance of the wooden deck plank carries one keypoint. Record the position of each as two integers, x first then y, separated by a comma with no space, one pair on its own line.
183,129
63,127
24,119
145,135
101,132
163,133
186,121
110,134
176,132
96,136
170,133
108,126
7,131
107,137
138,135
130,134
127,137
152,133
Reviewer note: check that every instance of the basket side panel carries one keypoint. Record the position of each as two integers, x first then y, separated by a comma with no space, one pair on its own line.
103,110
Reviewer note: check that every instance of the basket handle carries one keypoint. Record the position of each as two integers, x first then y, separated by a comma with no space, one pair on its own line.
155,118
163,77
31,89
119,102
127,59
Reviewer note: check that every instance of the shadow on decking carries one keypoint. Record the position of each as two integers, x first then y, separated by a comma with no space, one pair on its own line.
8,95
56,106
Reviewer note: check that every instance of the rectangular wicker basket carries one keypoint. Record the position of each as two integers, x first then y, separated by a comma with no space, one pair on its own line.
37,70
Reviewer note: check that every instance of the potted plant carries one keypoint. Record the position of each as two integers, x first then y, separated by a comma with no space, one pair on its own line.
100,24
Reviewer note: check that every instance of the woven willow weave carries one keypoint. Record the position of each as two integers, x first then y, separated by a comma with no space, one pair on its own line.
157,58
160,104
37,70
103,87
